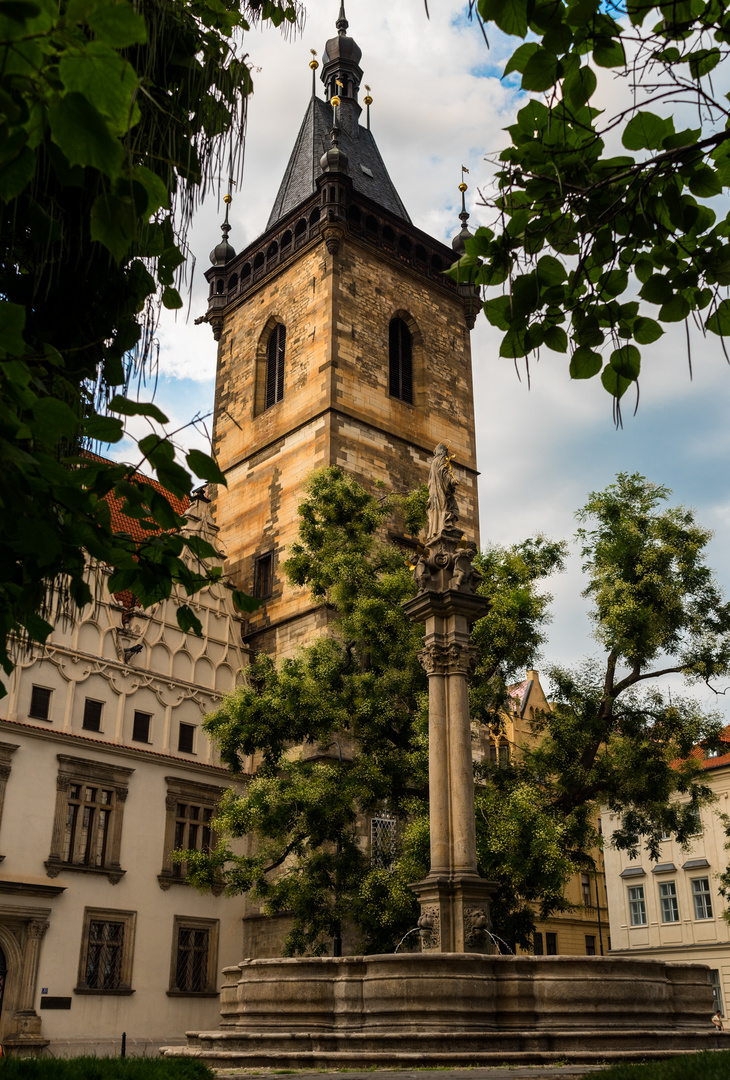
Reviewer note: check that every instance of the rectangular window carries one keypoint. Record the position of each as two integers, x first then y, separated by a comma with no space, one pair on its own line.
190,810
716,990
87,826
194,968
585,884
590,944
504,754
264,576
40,703
551,944
668,902
186,738
92,714
701,897
141,727
637,905
537,946
107,947
383,841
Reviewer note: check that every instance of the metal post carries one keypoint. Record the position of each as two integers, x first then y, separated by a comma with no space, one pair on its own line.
598,909
124,1044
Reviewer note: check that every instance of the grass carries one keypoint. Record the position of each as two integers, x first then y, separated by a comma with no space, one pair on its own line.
709,1065
99,1068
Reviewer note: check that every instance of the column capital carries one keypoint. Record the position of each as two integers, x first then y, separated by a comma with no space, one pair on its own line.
448,659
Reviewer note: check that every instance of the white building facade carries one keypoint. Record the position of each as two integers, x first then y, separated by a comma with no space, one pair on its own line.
671,910
104,771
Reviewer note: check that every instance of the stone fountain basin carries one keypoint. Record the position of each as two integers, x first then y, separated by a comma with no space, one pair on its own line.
462,992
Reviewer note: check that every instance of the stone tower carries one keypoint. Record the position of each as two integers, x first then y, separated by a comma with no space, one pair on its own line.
340,342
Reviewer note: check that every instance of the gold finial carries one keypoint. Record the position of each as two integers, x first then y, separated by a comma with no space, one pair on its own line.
367,99
314,63
462,186
335,100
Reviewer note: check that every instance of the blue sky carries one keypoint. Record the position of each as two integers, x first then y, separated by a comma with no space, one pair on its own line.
439,104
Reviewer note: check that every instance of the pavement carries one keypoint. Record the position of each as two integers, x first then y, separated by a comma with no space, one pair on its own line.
504,1072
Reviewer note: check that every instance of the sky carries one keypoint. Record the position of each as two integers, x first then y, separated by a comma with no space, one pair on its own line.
439,103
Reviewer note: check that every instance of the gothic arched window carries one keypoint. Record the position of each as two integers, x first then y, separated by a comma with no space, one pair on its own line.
400,352
275,365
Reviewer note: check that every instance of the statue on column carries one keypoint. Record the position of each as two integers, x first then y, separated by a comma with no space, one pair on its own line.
442,507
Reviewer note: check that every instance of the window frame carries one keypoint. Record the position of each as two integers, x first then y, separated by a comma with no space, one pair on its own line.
187,922
89,727
590,944
538,947
275,366
108,915
258,588
665,902
637,900
148,717
705,896
36,716
185,791
84,772
384,818
716,985
400,361
551,943
193,728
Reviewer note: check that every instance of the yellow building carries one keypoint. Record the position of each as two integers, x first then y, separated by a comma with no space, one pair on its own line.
672,910
583,931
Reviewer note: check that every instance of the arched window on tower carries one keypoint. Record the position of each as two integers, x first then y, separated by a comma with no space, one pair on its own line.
275,365
400,351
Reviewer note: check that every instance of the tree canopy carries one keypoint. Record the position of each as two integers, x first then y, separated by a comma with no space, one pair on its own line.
603,232
116,118
339,733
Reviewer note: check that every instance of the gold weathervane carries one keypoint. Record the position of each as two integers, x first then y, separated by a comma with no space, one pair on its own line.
314,63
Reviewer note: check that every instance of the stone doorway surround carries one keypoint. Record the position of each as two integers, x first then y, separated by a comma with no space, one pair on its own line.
22,929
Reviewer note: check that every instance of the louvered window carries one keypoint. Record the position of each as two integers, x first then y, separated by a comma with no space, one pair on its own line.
275,365
400,348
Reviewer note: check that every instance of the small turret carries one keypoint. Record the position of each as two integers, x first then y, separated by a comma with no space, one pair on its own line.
459,241
223,252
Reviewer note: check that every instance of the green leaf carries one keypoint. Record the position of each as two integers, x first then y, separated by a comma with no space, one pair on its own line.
541,71
645,131
704,182
646,331
38,629
509,15
675,310
613,283
702,61
556,339
205,467
608,53
104,77
579,88
244,602
584,363
626,361
114,224
16,174
613,382
719,321
550,271
105,429
53,420
657,290
19,10
173,477
498,312
82,133
126,407
116,22
520,57
187,620
12,323
171,299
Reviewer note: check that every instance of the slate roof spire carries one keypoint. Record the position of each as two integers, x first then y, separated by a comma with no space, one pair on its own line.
341,74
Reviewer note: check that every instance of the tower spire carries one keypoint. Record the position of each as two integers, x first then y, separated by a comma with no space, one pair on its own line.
224,252
342,23
459,241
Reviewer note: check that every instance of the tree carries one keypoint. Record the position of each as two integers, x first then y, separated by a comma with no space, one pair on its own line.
116,117
355,702
579,227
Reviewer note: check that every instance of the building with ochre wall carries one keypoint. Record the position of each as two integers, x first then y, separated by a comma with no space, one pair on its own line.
340,342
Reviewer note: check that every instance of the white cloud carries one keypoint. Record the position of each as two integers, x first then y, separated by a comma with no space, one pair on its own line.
437,106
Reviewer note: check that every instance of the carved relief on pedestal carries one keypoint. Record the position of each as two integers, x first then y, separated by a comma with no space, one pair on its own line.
476,927
430,926
451,659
